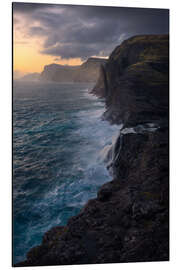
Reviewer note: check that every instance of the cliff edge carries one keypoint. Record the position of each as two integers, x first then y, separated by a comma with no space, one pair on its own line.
135,81
129,219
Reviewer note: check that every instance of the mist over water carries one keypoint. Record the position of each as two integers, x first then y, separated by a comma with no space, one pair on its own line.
58,137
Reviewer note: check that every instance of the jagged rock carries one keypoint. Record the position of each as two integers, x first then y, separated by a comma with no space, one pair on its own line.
129,219
135,81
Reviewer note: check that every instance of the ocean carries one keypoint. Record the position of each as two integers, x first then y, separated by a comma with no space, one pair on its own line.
58,142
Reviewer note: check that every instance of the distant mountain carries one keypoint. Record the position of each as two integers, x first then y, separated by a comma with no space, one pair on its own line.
87,72
17,74
31,77
128,221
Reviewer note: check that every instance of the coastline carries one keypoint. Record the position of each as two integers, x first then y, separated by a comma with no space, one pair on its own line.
129,219
127,222
65,191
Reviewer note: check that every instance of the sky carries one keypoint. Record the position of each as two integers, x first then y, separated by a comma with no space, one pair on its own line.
68,35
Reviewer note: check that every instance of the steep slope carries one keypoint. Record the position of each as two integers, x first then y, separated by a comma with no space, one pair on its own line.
87,72
135,80
129,219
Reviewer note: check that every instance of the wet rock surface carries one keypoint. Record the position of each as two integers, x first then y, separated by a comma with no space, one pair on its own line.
129,219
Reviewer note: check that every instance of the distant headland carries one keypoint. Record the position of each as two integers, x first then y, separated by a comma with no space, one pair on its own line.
86,72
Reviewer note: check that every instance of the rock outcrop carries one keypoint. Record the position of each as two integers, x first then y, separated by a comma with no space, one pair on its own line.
87,72
129,219
135,81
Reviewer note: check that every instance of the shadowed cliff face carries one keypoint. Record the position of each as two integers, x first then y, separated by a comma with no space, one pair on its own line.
129,219
135,81
127,222
87,72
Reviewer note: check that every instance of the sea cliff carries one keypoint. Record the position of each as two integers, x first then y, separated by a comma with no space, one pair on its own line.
129,219
135,81
87,72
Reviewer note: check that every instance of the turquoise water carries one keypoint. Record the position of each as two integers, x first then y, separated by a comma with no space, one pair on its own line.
58,137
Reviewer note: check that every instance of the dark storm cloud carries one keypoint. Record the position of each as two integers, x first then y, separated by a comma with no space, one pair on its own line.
28,7
83,31
37,31
78,50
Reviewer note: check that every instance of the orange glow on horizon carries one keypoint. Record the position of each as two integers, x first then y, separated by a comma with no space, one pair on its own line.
28,59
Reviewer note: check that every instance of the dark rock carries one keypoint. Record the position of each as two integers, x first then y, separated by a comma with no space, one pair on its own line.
129,219
135,81
52,235
104,194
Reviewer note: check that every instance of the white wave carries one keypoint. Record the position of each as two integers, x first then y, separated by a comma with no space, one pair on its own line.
88,95
140,128
108,153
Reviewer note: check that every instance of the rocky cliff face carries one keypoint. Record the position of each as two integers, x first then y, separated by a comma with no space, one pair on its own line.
135,81
129,219
87,72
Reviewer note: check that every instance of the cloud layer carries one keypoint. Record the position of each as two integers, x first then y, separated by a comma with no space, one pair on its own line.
84,31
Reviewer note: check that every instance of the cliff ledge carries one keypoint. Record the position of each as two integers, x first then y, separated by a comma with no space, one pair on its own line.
129,219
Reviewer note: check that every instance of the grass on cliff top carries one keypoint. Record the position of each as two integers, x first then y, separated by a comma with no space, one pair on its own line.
148,39
157,53
142,71
154,47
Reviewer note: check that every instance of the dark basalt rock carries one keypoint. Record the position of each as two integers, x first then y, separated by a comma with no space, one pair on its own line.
135,81
129,219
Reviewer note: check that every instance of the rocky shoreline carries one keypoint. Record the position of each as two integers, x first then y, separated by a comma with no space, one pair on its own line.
129,219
